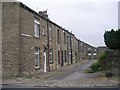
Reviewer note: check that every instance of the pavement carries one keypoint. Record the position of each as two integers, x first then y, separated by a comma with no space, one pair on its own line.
68,76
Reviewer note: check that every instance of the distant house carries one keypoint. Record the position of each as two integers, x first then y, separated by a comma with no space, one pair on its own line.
102,48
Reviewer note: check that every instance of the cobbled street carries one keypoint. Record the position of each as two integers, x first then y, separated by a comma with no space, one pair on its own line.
73,76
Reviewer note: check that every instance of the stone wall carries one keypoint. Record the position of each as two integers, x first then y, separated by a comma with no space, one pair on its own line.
19,42
113,58
26,43
10,39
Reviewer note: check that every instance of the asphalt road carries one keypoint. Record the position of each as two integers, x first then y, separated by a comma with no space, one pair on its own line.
77,73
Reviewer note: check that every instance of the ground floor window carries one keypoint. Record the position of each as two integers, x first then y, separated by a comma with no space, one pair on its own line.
69,57
65,56
89,55
51,56
58,57
37,57
62,58
95,55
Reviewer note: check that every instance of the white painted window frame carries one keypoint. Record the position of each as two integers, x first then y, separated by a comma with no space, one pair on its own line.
38,59
50,33
36,29
43,30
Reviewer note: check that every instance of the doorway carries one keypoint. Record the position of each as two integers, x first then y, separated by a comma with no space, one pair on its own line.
45,68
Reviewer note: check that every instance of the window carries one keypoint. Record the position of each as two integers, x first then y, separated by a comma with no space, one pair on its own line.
64,37
69,56
50,32
89,54
65,57
69,38
95,50
37,57
62,58
94,54
43,30
51,56
81,44
72,40
89,49
58,57
58,36
37,28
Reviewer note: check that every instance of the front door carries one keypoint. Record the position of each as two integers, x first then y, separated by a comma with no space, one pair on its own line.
45,61
62,64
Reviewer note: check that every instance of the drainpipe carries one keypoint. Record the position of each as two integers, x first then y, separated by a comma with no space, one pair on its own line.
60,49
71,48
67,50
48,45
78,50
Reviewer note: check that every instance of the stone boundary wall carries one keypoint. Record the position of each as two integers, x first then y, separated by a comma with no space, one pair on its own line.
113,59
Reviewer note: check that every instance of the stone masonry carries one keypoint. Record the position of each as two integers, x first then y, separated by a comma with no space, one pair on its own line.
56,46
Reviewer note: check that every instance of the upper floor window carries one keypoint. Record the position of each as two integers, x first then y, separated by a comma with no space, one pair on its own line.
95,50
65,37
72,40
58,36
50,32
43,30
81,44
89,48
36,28
69,39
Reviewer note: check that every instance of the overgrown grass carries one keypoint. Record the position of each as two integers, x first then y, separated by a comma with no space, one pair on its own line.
95,67
99,65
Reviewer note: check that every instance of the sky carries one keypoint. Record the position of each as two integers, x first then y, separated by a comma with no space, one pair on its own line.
87,19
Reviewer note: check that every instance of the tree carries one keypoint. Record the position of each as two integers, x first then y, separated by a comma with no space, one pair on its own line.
112,39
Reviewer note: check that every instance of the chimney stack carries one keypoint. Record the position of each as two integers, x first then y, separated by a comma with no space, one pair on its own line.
43,14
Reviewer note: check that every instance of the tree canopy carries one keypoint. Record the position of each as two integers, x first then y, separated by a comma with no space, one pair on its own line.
112,39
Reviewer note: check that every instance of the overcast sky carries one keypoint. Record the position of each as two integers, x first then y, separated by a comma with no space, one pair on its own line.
87,19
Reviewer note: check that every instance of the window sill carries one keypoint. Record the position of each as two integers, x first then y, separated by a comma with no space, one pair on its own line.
51,62
37,37
37,67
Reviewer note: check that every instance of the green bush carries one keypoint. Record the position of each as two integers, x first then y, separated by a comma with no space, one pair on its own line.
102,56
101,60
95,67
89,71
100,65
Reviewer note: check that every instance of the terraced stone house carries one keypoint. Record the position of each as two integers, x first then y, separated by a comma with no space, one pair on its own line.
32,43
